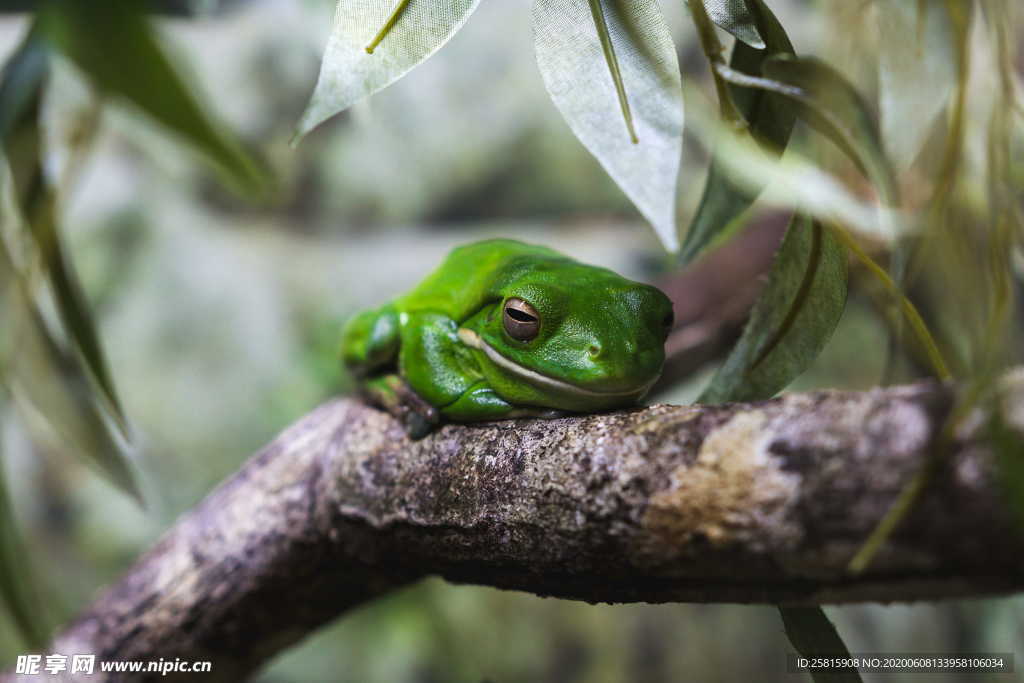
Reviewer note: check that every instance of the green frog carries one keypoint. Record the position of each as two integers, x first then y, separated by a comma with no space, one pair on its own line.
505,329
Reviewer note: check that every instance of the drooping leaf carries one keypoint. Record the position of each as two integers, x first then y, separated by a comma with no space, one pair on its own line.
829,102
20,81
796,180
770,118
18,586
917,72
740,19
583,54
113,43
75,311
791,321
813,635
56,385
373,44
21,90
17,589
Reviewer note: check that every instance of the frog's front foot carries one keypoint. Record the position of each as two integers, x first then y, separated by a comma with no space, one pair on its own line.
394,395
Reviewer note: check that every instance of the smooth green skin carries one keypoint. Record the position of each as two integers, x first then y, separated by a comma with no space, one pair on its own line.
600,345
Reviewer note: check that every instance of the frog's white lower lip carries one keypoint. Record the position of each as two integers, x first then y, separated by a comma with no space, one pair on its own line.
474,340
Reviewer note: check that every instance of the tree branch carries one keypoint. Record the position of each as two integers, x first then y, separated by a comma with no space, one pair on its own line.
760,502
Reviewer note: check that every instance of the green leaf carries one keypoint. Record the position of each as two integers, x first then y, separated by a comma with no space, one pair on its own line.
113,43
829,102
770,118
595,60
373,44
22,77
813,635
18,585
792,319
740,19
21,90
917,72
56,384
75,311
795,180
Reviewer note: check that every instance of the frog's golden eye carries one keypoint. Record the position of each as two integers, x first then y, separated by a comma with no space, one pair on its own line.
521,320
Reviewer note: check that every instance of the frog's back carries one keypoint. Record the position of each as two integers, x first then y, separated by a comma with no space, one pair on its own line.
471,274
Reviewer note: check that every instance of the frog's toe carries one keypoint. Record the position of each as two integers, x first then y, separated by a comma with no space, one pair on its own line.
395,396
417,425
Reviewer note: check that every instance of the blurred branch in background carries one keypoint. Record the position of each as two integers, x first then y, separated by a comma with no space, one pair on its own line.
761,502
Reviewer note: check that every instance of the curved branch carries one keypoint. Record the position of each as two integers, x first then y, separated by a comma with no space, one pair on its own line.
761,502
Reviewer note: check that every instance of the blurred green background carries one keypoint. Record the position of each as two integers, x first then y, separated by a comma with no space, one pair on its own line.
221,319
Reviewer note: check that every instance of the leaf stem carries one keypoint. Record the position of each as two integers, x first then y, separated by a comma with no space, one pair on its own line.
913,489
713,51
396,14
883,530
597,11
947,177
917,324
1004,54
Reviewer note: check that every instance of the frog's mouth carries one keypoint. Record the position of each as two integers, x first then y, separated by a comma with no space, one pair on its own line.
474,340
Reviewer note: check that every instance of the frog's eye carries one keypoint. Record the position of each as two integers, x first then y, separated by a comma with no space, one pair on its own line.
668,321
521,320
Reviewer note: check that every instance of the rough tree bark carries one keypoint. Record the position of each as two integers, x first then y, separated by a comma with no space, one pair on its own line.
761,502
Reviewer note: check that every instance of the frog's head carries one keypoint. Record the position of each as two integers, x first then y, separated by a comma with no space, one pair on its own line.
574,337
